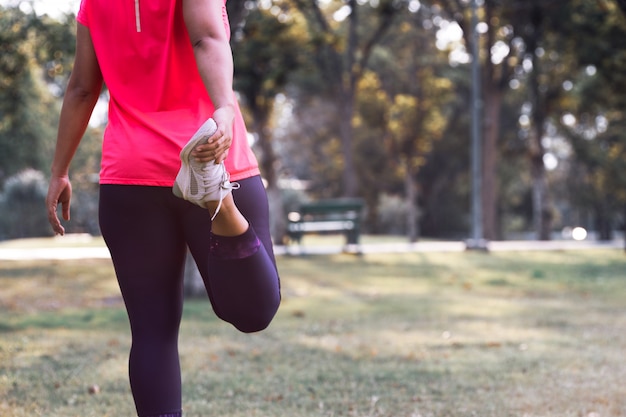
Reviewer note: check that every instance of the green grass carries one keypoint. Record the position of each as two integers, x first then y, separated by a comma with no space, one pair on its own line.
393,335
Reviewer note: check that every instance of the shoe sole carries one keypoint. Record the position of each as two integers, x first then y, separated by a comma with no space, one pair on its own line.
201,137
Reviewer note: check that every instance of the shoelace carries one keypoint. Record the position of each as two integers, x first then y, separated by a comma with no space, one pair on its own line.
224,184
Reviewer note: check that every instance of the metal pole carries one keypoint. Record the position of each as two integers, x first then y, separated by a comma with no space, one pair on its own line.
477,240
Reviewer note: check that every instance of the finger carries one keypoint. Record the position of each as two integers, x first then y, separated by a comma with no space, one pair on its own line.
59,230
212,151
205,156
54,221
215,137
66,210
222,157
214,140
206,150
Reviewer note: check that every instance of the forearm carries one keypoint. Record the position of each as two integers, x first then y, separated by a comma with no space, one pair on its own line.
78,105
80,98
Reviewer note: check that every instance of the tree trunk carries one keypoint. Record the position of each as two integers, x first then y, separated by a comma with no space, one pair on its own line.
494,84
268,164
350,179
193,285
489,197
412,214
603,221
542,214
278,217
347,96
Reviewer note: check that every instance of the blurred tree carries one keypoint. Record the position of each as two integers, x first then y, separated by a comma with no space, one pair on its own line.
266,51
595,123
499,55
393,70
366,77
543,87
374,163
444,180
418,97
522,48
34,65
543,70
36,55
622,6
342,51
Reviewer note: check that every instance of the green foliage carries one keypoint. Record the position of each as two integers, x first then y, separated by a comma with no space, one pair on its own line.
34,63
265,52
565,61
597,110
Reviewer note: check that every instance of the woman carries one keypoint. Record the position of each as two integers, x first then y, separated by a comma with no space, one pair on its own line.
168,67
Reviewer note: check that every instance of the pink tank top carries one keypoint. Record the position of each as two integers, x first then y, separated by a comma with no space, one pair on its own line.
157,98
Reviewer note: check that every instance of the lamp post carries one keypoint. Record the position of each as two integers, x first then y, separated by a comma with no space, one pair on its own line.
476,242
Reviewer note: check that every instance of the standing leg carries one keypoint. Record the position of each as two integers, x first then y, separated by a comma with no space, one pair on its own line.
144,236
239,270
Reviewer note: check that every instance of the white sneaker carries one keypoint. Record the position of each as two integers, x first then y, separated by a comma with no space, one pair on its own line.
201,182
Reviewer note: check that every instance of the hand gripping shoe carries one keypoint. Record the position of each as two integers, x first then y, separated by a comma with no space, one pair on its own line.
201,182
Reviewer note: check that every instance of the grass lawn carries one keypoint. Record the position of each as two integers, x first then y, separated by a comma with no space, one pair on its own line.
404,335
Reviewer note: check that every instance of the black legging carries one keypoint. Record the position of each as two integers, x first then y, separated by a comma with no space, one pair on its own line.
147,230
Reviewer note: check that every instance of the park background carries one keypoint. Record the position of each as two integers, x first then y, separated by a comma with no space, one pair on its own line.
368,99
373,99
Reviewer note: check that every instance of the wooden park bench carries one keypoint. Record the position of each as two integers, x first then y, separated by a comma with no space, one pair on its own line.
343,215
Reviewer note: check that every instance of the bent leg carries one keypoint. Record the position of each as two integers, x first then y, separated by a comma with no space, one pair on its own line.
146,243
241,277
245,289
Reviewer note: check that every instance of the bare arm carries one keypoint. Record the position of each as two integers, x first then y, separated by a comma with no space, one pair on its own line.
214,59
80,98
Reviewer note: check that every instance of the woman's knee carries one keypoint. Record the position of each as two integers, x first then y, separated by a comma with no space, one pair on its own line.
253,320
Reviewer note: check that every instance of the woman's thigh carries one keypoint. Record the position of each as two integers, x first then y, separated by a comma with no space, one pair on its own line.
143,232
